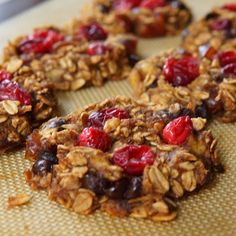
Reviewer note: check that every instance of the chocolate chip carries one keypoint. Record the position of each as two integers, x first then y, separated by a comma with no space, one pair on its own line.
56,122
41,167
117,189
49,156
134,188
133,59
201,111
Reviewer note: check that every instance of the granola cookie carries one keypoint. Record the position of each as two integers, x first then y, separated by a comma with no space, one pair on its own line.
72,61
216,31
24,104
123,157
145,18
206,86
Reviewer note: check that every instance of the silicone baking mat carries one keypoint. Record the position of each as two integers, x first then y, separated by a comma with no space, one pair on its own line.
210,212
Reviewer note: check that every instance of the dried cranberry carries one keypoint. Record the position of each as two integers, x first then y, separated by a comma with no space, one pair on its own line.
130,44
230,6
10,90
41,41
134,158
98,119
229,69
219,25
4,75
93,32
94,138
227,57
97,48
41,167
152,4
121,5
178,130
180,72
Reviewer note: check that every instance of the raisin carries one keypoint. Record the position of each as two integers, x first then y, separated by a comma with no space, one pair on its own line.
134,158
10,90
93,32
104,8
202,111
211,15
48,156
178,130
181,72
56,122
133,59
94,138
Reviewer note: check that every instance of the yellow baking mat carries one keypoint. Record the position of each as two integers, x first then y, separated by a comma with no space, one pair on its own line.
210,212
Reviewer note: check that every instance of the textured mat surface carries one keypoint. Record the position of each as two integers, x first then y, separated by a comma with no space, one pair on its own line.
210,212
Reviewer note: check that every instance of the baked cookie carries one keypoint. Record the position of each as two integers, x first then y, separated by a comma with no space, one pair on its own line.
145,18
123,157
206,86
72,61
216,31
24,104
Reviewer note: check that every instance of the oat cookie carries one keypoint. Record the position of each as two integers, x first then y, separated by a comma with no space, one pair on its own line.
70,61
145,18
216,31
206,86
123,157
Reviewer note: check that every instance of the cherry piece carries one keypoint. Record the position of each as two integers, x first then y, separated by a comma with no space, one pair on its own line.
181,72
94,138
219,25
97,48
41,41
4,75
152,4
93,32
98,119
134,158
121,5
178,130
10,90
227,57
230,6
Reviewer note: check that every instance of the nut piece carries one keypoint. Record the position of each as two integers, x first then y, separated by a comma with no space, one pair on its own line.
14,65
198,123
18,200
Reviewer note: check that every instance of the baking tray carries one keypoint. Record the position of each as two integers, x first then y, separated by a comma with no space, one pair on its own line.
210,212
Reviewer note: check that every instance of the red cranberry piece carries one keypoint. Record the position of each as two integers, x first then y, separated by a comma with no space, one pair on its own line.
178,130
230,6
10,90
98,119
227,57
120,5
134,158
180,72
93,32
152,4
41,41
94,138
219,25
229,69
4,75
97,48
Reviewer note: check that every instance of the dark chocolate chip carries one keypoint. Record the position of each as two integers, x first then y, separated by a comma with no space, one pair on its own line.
41,167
